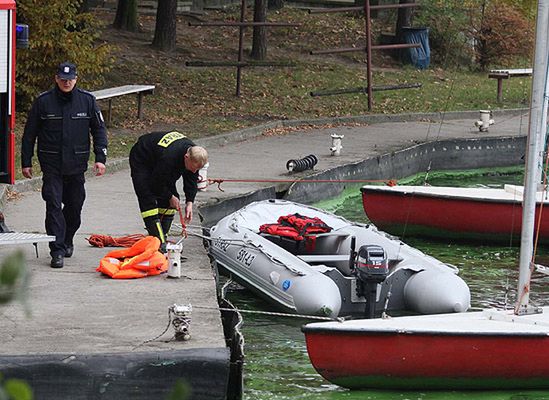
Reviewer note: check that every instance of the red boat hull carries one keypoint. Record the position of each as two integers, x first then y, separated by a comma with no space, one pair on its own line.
405,361
409,214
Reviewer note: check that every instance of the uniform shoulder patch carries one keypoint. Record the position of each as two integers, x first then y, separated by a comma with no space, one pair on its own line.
169,138
85,92
45,93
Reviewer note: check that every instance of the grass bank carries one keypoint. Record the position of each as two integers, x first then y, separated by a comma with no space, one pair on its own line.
201,101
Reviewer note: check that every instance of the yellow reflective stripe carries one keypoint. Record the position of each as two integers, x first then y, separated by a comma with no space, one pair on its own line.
149,213
167,211
169,138
160,232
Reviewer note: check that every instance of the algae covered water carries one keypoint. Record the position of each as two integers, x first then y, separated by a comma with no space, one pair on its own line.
276,361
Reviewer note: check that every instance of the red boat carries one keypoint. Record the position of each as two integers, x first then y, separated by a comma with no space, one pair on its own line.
479,350
483,214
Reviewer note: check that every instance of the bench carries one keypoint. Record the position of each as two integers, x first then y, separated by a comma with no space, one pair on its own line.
501,74
109,94
15,238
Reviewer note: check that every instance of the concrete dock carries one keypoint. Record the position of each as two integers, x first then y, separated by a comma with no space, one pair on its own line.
89,336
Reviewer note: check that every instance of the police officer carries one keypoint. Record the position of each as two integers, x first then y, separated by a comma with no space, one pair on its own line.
62,120
157,161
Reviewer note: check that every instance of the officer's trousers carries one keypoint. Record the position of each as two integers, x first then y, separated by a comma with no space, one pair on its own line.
64,196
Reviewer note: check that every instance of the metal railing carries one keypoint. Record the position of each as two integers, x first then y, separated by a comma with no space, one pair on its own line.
240,63
369,89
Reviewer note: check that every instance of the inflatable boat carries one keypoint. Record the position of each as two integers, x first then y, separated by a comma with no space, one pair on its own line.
311,262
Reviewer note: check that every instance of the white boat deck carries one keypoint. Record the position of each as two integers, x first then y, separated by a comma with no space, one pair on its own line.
508,193
485,322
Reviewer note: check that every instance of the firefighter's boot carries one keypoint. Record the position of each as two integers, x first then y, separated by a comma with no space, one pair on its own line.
154,228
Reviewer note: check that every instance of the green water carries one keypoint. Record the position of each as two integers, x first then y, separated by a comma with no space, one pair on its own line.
277,365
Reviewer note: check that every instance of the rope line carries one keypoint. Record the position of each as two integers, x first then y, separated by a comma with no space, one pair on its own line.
219,181
277,314
181,321
165,330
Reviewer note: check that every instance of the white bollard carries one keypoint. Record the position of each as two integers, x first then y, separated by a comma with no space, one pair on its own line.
174,259
203,177
336,144
485,120
181,320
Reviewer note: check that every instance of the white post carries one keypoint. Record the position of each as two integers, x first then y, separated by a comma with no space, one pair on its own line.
534,155
336,144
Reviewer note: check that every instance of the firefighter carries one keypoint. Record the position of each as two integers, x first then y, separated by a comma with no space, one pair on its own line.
157,161
62,119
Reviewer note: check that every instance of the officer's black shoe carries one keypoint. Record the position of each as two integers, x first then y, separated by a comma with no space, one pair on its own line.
57,261
68,251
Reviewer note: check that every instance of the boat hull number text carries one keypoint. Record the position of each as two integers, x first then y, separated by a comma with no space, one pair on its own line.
245,257
221,244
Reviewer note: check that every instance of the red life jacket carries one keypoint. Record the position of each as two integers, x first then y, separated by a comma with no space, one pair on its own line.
295,226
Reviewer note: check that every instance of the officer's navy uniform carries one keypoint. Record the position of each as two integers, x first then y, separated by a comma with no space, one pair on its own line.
157,163
62,122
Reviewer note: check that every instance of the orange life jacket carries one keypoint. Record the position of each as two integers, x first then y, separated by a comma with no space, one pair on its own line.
140,260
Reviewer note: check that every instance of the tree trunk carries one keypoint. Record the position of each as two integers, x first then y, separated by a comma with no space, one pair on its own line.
259,40
126,15
166,25
404,19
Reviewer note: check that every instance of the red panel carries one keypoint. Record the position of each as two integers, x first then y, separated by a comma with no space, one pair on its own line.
428,356
7,4
387,210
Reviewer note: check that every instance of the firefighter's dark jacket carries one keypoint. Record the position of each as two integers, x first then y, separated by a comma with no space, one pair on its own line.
164,160
62,122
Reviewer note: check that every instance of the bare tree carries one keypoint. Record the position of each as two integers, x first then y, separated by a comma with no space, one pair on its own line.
126,15
165,30
404,19
259,40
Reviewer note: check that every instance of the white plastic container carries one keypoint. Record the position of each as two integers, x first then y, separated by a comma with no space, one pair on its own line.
174,259
203,177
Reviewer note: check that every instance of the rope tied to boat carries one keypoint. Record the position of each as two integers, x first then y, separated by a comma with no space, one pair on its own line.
276,314
180,318
219,181
251,245
183,225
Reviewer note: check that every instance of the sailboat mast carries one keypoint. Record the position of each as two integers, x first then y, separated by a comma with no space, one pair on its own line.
534,154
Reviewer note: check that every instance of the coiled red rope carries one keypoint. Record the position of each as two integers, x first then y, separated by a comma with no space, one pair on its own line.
109,241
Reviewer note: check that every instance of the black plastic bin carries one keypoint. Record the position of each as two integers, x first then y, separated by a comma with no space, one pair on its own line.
419,57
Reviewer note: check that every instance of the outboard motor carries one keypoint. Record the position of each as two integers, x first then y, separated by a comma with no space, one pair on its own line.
371,267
